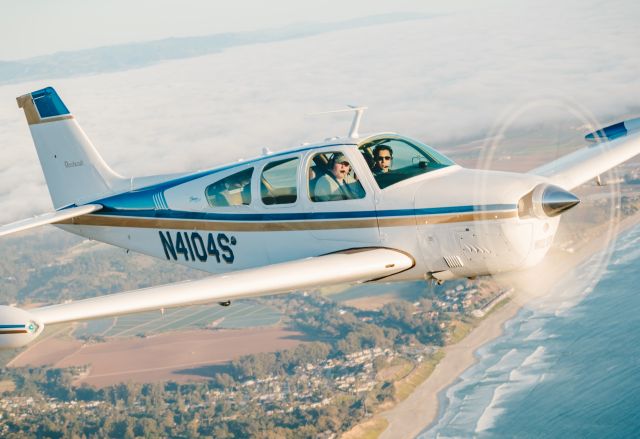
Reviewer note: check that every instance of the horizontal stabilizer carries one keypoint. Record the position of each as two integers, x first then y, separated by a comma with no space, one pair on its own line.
357,265
48,218
610,146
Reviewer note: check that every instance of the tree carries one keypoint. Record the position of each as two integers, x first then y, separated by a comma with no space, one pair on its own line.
224,381
147,428
192,427
221,431
168,420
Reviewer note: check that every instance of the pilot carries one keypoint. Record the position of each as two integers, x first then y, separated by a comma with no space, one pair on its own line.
334,185
382,155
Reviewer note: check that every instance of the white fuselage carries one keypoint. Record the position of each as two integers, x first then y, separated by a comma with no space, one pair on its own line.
454,222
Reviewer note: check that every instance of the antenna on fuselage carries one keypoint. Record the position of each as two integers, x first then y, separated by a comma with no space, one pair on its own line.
357,117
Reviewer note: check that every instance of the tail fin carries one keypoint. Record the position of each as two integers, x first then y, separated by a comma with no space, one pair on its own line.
74,171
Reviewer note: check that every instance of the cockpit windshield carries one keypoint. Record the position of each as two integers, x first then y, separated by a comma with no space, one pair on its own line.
393,159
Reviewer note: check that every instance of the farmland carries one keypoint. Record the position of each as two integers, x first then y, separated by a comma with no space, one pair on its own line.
244,314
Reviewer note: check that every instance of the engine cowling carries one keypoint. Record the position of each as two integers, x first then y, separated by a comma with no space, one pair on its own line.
17,327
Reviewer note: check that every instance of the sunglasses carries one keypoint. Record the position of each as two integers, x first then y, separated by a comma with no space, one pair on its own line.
384,157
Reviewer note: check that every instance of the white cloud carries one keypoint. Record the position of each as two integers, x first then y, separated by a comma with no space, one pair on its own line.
445,80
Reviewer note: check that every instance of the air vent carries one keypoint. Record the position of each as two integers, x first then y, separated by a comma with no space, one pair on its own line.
475,249
453,261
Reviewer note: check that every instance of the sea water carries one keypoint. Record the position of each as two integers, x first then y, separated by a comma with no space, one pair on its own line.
567,365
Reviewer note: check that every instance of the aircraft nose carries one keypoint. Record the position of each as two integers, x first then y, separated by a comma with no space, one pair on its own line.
556,200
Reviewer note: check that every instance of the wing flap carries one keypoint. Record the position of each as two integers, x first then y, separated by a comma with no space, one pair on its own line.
48,218
350,266
610,147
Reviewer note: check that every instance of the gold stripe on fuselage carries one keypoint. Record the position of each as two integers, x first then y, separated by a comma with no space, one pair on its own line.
465,217
222,226
282,226
446,218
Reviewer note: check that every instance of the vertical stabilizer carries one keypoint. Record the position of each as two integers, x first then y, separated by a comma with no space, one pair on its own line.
73,169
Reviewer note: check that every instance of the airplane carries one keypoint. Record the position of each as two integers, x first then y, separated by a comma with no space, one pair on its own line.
338,211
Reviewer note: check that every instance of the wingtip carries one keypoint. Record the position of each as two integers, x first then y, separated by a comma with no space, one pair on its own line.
614,131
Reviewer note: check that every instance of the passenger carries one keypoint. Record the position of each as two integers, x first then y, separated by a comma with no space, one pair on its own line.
383,155
333,185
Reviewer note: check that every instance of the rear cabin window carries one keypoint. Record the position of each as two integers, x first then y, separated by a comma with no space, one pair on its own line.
234,190
278,182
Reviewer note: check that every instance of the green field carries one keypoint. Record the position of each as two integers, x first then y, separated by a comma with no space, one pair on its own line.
244,314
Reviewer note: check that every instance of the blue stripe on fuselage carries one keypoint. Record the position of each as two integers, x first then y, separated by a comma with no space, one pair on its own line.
297,216
145,195
142,198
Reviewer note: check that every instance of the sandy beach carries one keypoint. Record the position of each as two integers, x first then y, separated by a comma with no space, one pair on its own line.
411,416
415,413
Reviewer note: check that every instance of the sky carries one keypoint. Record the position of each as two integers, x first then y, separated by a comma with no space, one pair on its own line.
42,27
457,73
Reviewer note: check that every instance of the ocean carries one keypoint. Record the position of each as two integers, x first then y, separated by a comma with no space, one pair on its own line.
568,365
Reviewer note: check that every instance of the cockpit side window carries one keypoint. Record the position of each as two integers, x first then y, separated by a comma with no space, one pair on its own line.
396,159
233,190
332,178
278,182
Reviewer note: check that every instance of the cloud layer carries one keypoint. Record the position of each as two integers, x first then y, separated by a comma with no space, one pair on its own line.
446,80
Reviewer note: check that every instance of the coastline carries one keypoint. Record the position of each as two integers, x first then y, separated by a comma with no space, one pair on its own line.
420,410
403,419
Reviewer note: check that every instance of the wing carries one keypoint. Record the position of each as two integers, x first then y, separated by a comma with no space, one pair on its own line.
48,218
609,147
348,266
